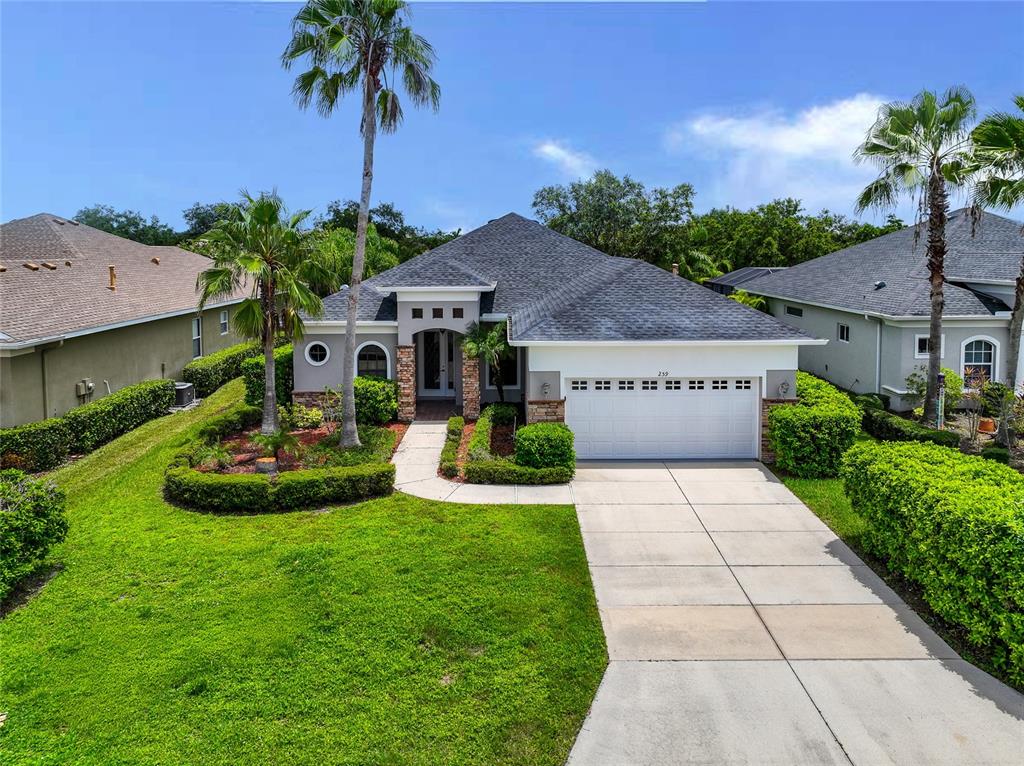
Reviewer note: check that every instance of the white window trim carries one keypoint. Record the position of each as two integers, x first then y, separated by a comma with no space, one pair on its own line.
942,349
197,326
839,332
797,311
225,322
387,356
487,375
996,377
305,353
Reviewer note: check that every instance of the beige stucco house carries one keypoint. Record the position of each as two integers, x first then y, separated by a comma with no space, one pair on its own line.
84,313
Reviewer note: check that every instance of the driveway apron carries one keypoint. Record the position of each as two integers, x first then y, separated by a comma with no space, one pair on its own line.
741,630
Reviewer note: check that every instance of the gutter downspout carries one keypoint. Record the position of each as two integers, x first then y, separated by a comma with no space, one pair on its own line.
42,366
878,356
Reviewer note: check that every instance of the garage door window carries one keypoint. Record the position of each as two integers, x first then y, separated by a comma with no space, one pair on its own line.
578,385
649,385
602,385
719,385
696,385
743,385
673,385
625,385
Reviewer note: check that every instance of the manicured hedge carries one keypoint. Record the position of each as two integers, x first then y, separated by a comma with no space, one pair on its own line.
480,441
545,445
291,490
37,446
954,524
208,373
498,471
810,436
93,425
484,468
253,372
238,418
450,451
31,520
376,400
892,428
503,414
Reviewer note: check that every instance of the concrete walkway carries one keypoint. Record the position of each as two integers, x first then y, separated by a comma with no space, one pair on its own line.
741,630
416,461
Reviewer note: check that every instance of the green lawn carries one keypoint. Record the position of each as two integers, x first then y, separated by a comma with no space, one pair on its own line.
397,631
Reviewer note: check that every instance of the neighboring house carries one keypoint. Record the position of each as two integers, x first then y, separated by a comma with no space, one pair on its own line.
872,302
638,362
736,280
84,313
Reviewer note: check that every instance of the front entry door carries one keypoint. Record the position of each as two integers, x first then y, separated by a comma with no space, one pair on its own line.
437,363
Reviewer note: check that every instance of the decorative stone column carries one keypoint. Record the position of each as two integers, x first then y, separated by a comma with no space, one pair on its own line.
545,411
406,377
470,387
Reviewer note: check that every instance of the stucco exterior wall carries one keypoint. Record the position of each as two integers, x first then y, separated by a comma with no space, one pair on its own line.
514,393
121,357
312,378
408,327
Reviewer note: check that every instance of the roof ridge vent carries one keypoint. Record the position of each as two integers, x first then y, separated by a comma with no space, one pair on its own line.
57,220
50,266
30,266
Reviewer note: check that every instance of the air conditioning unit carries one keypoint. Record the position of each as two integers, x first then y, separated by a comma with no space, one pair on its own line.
184,394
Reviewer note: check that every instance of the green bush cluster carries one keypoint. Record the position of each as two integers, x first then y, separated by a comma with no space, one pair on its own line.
810,436
868,401
483,467
284,371
999,454
208,373
37,446
93,425
238,418
954,524
46,444
545,445
893,428
376,400
31,520
994,395
503,414
450,451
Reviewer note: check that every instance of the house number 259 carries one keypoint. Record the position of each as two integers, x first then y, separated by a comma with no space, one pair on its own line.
663,373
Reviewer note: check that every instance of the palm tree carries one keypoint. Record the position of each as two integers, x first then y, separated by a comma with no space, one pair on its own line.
923,150
490,345
999,152
360,46
260,247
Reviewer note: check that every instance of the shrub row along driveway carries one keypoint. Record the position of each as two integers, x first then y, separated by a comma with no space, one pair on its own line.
741,630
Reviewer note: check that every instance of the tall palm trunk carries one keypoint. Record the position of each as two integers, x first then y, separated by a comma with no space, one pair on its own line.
1016,327
937,213
498,382
269,424
349,433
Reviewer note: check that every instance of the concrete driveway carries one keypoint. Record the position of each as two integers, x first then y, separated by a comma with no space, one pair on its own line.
741,630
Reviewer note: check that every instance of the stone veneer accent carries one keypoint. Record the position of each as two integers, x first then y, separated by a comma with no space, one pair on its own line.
406,377
767,455
470,387
545,411
308,398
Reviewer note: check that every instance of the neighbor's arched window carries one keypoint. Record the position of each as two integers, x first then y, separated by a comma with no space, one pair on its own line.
372,360
979,361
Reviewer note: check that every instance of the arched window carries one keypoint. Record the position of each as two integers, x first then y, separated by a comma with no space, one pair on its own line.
372,360
979,360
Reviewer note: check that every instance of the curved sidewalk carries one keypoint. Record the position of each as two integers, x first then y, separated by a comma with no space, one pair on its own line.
416,461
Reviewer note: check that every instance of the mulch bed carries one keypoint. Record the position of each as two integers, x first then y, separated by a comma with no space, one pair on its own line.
399,430
503,442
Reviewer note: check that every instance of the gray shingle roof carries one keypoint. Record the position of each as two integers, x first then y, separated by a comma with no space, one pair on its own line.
739,276
846,278
74,298
555,288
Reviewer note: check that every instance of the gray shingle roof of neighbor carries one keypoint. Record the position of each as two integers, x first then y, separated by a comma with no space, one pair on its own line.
557,289
51,302
739,276
846,278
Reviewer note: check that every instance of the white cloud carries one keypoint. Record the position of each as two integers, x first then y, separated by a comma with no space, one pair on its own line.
572,163
770,153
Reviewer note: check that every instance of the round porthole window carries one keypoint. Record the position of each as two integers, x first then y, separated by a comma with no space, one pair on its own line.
317,353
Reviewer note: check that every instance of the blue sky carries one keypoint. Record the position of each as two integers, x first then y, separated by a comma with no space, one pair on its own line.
153,106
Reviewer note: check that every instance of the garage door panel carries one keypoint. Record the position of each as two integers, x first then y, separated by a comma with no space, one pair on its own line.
697,418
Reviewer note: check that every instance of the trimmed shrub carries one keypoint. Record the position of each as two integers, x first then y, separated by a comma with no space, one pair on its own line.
219,492
954,524
480,441
31,520
239,418
37,446
253,372
999,454
810,437
376,400
93,425
545,445
484,468
503,414
889,427
208,373
450,451
302,417
868,401
497,471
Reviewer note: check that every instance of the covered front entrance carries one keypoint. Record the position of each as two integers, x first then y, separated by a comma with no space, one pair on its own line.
439,362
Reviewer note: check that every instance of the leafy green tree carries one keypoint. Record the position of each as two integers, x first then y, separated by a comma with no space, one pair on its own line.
337,249
259,247
489,344
128,224
363,47
390,223
999,152
695,262
922,150
200,217
619,216
749,299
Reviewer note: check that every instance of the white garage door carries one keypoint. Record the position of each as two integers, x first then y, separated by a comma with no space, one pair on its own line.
663,418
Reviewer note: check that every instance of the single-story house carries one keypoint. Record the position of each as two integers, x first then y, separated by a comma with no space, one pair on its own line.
735,280
638,362
84,313
871,301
